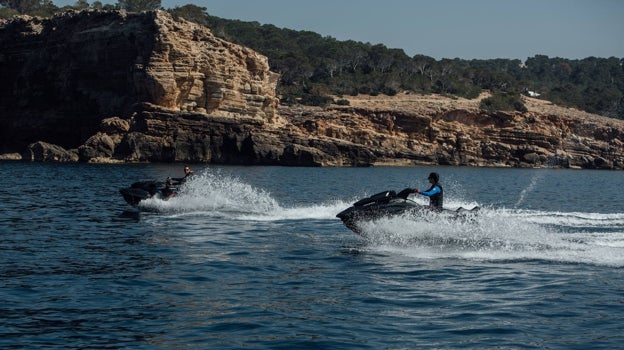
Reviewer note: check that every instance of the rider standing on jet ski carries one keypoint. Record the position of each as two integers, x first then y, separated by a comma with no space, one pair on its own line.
435,192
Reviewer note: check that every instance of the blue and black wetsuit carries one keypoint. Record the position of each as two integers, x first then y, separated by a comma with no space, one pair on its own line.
436,196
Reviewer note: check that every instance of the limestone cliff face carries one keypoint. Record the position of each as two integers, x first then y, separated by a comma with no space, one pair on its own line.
450,136
116,87
61,76
192,70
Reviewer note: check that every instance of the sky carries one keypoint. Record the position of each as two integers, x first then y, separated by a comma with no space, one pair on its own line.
466,29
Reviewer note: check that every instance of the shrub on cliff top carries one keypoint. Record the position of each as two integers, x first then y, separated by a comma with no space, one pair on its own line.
502,101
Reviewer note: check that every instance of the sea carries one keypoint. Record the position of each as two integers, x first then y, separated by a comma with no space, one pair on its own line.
249,257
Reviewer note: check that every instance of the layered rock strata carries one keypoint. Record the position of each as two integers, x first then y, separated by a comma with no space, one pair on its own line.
116,87
472,137
61,76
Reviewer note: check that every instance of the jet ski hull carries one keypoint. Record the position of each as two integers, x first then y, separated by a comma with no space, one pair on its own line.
383,204
353,215
141,190
388,204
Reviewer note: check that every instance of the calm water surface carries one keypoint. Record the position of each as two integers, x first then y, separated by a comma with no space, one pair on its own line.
253,257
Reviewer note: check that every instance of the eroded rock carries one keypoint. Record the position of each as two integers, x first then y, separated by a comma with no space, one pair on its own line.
148,88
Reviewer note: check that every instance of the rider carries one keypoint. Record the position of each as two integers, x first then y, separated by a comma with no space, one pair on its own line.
435,192
169,190
187,173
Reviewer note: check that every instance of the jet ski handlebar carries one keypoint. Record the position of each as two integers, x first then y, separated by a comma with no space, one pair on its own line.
384,197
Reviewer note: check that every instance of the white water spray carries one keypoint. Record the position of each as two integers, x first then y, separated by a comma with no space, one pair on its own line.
215,194
491,235
534,180
502,234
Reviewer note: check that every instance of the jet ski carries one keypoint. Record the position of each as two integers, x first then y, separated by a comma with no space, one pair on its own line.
142,190
388,204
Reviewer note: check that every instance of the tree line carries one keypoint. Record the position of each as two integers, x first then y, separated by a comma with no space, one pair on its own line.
315,67
46,8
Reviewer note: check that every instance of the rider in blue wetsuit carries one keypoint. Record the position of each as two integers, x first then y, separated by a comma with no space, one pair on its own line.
435,192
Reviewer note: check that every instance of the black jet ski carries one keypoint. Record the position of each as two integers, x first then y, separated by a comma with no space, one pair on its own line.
387,204
142,190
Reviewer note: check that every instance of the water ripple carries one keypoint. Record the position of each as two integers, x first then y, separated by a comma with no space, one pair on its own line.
273,268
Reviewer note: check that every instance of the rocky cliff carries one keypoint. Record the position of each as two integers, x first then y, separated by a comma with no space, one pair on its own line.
61,76
110,86
415,129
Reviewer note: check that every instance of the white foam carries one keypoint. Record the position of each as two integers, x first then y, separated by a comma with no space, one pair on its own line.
502,235
316,212
491,234
221,195
210,192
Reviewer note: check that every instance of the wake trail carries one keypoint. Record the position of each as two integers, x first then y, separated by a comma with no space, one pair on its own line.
214,194
505,234
491,234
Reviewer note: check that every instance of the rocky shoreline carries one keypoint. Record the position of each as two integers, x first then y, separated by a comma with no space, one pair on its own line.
112,87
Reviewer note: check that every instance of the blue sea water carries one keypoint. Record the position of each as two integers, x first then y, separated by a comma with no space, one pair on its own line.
253,257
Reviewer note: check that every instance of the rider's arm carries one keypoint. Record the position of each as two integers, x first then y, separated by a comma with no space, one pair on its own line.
182,179
431,192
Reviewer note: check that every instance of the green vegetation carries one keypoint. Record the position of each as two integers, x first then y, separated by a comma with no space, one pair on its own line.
138,5
314,67
503,102
310,63
46,8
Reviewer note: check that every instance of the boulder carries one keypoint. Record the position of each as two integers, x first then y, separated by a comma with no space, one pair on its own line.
46,152
10,156
114,126
99,145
